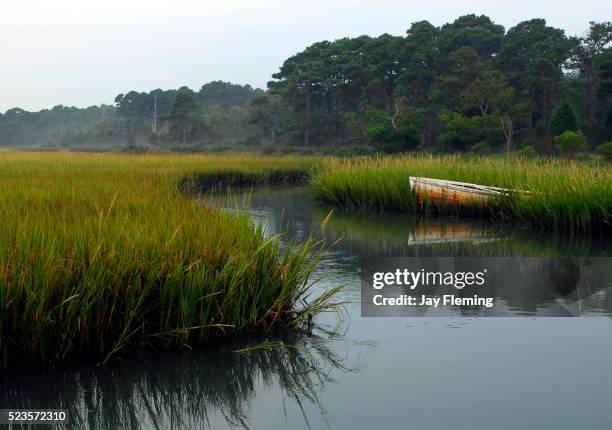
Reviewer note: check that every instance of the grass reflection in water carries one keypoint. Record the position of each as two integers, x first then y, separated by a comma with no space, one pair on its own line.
185,390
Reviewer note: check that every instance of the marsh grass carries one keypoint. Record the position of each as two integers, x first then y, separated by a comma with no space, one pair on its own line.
100,254
566,196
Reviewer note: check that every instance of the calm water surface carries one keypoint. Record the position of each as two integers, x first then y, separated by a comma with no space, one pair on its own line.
361,373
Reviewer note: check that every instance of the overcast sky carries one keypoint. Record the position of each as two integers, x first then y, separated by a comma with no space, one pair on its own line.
77,52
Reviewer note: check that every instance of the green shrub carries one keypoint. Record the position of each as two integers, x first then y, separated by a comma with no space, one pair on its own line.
605,150
387,139
480,148
527,151
569,143
389,136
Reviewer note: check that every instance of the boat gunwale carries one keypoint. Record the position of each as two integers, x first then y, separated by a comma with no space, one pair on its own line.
464,187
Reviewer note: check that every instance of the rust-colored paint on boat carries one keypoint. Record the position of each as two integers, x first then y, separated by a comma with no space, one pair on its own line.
438,195
438,191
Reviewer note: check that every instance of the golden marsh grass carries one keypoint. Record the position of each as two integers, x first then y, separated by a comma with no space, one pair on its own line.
101,253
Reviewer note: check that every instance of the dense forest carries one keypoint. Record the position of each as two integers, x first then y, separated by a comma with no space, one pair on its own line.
469,85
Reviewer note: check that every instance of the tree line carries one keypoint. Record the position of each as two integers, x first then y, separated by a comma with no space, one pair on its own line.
469,85
218,113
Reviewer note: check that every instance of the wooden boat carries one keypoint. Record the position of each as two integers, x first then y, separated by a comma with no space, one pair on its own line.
454,193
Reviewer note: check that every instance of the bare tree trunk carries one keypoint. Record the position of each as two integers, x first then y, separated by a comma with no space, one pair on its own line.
397,107
153,122
508,129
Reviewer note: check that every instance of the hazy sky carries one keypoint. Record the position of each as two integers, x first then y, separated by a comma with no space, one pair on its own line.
78,52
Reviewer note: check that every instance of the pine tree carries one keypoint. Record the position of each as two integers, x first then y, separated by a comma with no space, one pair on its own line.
564,119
